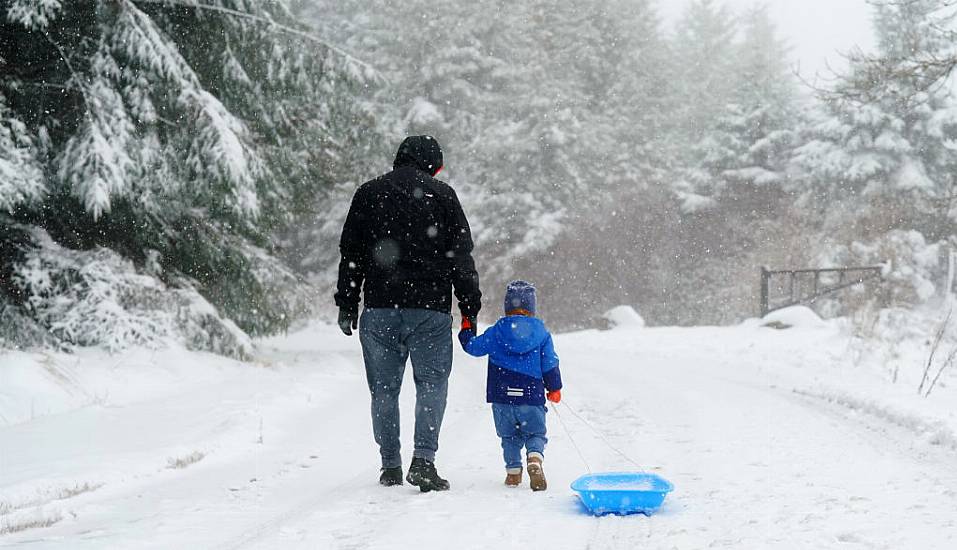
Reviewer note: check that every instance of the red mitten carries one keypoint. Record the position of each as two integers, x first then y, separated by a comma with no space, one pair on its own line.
468,323
555,396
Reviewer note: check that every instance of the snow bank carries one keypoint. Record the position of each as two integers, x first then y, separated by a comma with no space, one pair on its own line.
794,316
928,429
38,385
99,298
32,385
623,317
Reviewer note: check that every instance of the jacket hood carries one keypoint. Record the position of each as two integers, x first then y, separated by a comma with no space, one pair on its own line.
520,334
422,152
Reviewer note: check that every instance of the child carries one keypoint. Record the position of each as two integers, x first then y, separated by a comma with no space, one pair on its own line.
522,366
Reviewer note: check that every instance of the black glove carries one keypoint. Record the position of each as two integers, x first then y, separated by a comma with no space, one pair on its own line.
348,320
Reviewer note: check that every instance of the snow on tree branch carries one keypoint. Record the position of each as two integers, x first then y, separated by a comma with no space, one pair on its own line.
355,67
34,14
96,161
21,179
219,153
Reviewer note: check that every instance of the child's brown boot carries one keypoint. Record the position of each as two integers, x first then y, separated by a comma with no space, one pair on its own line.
536,475
513,477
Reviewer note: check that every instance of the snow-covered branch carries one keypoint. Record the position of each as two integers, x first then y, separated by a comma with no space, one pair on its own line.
370,72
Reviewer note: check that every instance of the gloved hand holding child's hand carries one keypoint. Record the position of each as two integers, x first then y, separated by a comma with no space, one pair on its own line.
468,323
555,396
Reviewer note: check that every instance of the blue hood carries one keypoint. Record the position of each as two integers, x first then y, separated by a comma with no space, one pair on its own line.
520,334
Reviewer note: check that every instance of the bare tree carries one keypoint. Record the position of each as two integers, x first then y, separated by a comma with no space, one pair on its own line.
938,337
947,363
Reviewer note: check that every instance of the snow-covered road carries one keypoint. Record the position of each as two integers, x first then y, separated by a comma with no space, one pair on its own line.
181,450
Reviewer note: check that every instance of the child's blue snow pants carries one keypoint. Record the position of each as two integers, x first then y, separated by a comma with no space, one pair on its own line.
519,426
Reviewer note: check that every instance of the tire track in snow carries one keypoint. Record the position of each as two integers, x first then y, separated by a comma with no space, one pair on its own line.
934,433
345,505
351,495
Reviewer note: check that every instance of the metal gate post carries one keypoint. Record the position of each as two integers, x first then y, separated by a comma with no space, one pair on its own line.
765,281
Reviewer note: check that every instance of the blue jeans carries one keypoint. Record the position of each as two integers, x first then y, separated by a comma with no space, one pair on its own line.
389,337
519,426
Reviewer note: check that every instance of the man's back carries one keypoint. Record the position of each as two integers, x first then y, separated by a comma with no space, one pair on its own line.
406,241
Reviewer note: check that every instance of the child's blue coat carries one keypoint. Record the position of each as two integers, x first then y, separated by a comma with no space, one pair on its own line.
522,362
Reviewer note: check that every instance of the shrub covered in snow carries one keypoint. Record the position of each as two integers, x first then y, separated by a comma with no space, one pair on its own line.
98,298
19,330
912,266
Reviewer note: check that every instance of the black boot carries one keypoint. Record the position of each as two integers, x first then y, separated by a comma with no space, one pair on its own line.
423,475
391,476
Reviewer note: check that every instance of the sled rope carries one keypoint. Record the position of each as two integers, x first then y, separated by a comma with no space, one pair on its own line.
600,436
572,439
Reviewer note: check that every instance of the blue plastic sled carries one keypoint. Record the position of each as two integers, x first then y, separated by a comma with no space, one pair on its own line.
622,492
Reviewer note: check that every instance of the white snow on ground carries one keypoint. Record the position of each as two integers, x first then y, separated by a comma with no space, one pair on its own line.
773,439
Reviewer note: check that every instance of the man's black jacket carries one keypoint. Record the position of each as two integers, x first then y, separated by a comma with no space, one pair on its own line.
406,240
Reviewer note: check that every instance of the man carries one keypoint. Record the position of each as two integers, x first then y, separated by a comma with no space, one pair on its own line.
406,244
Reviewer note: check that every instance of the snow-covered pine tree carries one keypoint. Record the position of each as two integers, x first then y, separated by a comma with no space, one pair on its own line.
745,157
183,135
703,74
545,143
703,65
881,156
643,91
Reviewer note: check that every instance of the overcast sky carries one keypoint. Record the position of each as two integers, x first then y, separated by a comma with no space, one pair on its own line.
817,29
